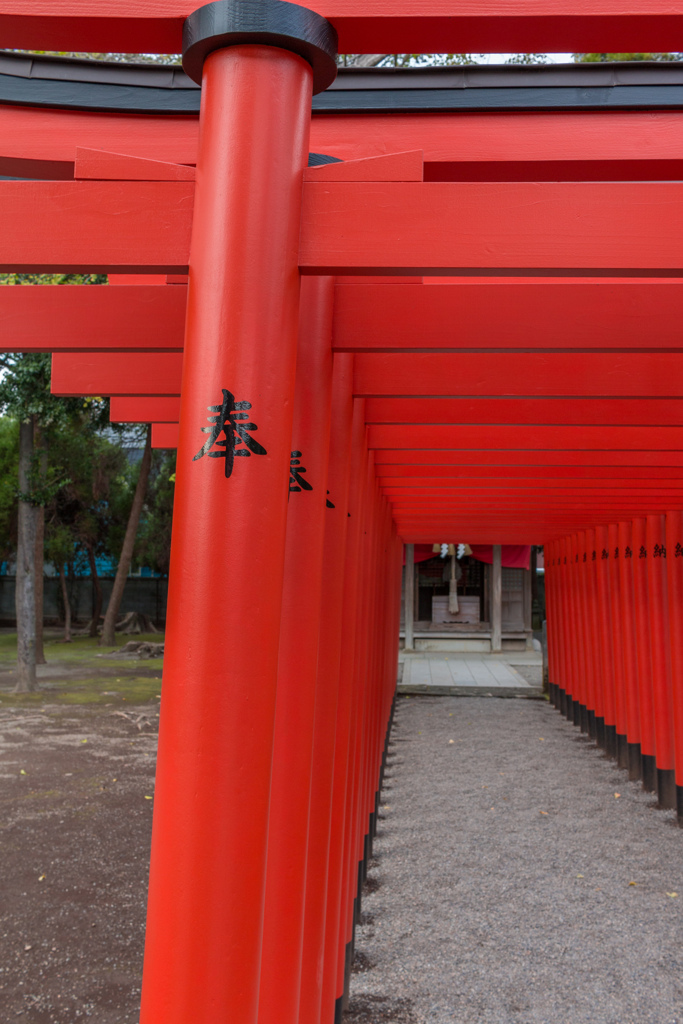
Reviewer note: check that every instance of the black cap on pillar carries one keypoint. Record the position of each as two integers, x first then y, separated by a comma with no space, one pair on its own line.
266,23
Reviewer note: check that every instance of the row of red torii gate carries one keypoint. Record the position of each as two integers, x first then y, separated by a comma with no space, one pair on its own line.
397,307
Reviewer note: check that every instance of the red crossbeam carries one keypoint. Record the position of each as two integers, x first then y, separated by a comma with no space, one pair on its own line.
37,142
453,227
387,317
408,26
457,435
95,225
584,411
561,374
523,315
358,228
92,317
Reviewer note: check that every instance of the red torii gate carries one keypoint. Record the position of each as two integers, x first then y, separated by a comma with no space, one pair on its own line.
591,418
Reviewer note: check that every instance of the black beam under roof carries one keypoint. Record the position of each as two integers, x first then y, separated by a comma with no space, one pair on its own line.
60,82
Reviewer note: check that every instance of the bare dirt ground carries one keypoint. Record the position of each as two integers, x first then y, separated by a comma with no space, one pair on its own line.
76,796
518,877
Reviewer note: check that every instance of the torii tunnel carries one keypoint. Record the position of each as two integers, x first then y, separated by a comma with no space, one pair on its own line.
445,305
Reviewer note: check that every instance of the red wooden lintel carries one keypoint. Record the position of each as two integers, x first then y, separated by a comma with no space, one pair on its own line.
97,164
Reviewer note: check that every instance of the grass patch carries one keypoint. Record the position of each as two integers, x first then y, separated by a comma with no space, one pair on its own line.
82,676
126,690
80,649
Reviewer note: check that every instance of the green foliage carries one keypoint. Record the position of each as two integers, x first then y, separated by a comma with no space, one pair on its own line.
600,58
153,547
9,462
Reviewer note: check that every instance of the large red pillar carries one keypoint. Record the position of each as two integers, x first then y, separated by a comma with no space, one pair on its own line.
660,656
298,660
329,663
208,865
674,548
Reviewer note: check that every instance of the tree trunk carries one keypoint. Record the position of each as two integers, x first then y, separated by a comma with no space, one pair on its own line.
67,605
26,569
39,441
97,591
112,614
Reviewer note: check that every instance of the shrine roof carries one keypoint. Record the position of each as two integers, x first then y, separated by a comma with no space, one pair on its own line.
42,81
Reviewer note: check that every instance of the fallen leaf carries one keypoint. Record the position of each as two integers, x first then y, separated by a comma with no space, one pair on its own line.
148,798
113,780
26,948
84,741
41,878
672,894
543,812
451,741
22,772
617,795
581,876
493,808
541,739
633,883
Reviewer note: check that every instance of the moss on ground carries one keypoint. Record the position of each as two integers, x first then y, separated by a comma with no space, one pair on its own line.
82,676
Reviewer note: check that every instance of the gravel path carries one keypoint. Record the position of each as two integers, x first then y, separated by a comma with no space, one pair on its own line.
502,886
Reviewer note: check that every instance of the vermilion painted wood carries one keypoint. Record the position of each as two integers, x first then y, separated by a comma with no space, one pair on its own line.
283,925
674,578
528,374
415,26
581,650
40,143
210,831
586,620
77,318
116,374
102,165
358,498
136,410
629,637
419,435
585,411
390,167
96,226
340,479
487,459
565,632
165,435
524,315
353,227
581,374
605,611
616,556
642,622
660,654
589,486
124,225
35,142
588,475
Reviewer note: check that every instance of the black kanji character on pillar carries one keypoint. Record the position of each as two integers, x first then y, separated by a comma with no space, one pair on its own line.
296,481
642,553
679,551
229,420
605,553
660,551
628,553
